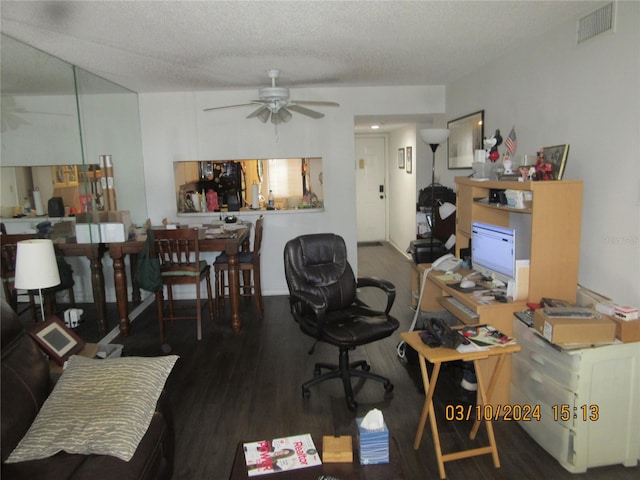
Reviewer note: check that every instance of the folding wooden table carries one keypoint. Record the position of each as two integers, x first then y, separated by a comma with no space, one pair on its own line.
437,356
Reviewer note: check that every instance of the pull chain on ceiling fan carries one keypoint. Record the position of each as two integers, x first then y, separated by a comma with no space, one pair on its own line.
275,104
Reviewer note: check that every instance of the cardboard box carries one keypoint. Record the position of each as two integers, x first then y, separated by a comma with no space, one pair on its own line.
88,233
112,232
114,216
627,330
374,444
576,330
109,350
337,449
91,217
121,216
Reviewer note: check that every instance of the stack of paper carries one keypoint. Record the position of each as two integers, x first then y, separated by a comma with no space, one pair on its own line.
482,337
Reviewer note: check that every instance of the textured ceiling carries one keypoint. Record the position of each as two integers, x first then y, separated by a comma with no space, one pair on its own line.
157,46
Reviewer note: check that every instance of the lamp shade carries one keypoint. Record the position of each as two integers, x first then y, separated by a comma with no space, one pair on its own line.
36,265
446,210
434,136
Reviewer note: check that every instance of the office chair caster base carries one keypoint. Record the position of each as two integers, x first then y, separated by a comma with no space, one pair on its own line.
388,386
306,393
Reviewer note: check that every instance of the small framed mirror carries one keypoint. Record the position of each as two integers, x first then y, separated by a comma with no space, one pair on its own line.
465,136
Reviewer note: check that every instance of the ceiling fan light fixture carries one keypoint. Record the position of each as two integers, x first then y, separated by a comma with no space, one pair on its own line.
284,114
263,116
275,103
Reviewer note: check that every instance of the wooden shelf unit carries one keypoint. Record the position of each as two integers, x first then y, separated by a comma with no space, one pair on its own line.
555,224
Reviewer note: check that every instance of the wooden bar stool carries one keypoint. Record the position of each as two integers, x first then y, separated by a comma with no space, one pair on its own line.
180,264
249,263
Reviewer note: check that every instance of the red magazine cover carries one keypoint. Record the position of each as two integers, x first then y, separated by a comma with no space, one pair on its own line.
287,453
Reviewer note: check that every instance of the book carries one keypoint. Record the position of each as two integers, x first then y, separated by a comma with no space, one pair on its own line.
482,337
280,454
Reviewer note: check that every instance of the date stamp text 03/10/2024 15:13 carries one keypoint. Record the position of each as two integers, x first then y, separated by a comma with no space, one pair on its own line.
525,413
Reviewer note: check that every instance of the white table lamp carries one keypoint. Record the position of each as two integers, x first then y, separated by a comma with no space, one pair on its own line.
36,267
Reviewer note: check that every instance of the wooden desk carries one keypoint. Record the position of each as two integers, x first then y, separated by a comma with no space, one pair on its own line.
437,356
499,315
343,471
232,246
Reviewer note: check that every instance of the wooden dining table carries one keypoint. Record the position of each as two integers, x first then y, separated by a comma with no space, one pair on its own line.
232,242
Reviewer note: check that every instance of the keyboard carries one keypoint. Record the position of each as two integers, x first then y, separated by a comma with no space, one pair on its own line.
572,312
525,317
461,306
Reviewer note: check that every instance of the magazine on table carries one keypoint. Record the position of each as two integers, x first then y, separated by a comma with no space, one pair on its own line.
280,454
482,337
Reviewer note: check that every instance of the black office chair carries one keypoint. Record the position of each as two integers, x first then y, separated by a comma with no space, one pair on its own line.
324,302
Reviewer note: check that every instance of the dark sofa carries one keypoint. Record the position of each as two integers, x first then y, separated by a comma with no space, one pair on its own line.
26,385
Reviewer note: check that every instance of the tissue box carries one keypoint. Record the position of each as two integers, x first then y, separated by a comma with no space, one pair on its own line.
374,444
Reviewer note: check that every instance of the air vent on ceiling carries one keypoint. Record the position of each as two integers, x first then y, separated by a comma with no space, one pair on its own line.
596,23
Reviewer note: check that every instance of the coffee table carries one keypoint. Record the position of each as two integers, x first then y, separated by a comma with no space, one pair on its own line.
343,471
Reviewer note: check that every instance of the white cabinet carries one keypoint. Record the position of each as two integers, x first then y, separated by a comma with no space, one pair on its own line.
589,400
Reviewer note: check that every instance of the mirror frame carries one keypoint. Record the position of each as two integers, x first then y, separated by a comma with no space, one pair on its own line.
466,134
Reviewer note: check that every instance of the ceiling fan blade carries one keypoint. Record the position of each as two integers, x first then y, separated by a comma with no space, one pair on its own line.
305,111
233,106
317,104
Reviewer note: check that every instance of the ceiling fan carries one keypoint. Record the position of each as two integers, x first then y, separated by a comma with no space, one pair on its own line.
12,116
275,103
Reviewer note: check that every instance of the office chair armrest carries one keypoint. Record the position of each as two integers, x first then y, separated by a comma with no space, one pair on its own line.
316,303
313,301
384,285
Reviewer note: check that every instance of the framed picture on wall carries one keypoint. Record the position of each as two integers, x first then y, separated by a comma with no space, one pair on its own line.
401,158
466,135
409,159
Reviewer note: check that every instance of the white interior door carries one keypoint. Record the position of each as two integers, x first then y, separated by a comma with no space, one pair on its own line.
371,196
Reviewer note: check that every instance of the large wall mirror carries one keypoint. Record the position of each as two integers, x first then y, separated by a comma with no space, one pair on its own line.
56,114
465,136
294,182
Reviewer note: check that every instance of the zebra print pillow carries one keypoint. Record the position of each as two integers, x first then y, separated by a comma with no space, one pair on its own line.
101,407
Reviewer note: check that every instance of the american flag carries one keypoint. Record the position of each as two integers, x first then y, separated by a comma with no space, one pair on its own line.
511,143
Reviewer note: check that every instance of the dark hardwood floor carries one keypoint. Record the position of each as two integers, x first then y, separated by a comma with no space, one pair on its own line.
230,388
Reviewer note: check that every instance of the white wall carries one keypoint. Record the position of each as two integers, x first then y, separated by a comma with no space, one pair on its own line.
402,189
588,96
174,127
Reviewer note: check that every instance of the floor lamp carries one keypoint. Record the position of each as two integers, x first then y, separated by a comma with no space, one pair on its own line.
433,137
36,267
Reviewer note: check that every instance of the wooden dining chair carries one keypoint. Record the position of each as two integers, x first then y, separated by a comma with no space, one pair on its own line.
249,263
9,249
180,264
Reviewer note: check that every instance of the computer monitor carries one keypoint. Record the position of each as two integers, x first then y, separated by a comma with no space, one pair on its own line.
493,251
